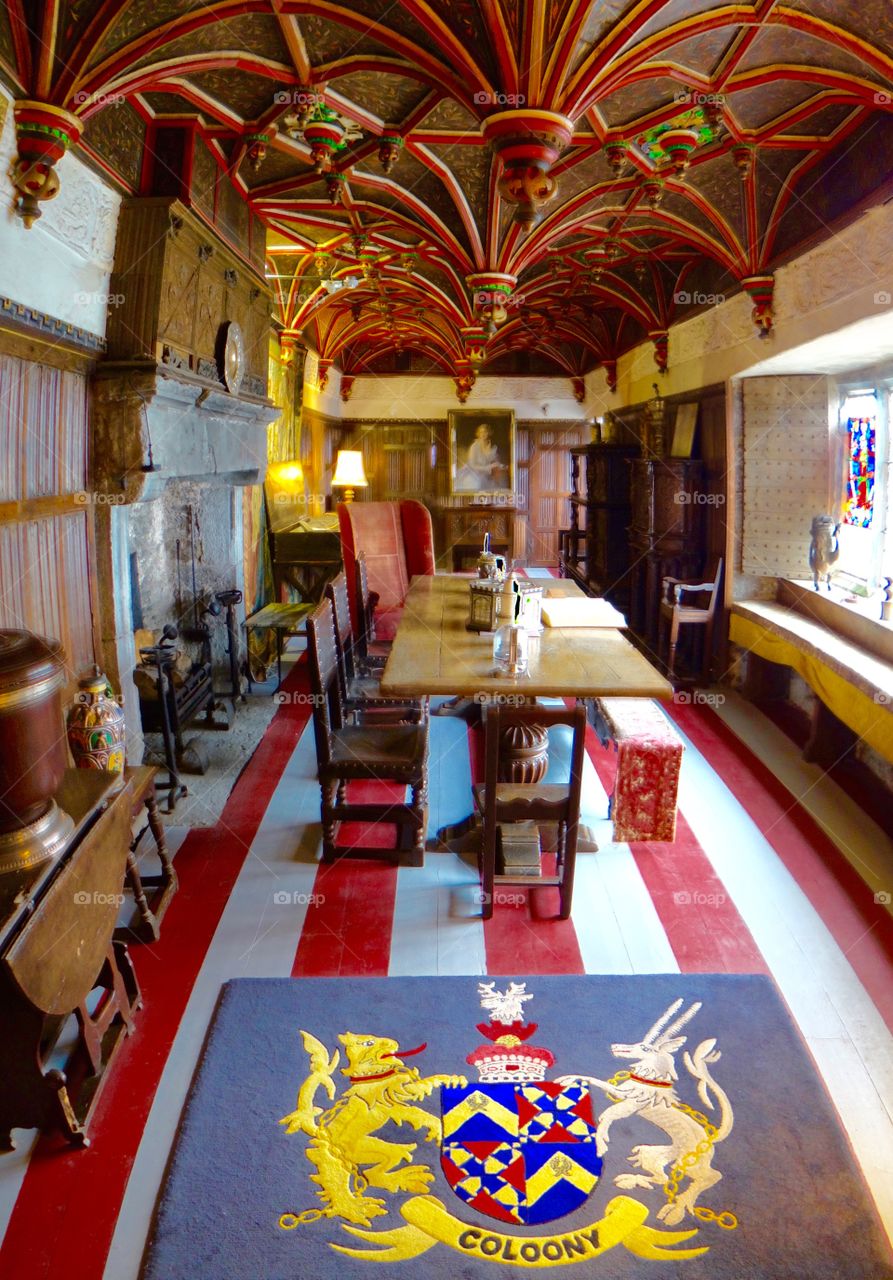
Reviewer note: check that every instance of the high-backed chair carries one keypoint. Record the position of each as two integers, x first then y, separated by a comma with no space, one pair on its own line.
372,653
502,804
675,613
346,753
398,541
361,690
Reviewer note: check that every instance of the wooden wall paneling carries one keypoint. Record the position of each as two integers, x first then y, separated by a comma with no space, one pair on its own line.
711,434
45,508
547,480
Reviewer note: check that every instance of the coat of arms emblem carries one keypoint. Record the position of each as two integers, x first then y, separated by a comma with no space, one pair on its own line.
516,1148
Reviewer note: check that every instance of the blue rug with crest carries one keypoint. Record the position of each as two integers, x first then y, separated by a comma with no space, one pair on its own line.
633,1128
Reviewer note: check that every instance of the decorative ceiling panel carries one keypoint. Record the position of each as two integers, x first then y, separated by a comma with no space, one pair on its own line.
628,105
754,109
471,167
249,96
389,97
7,49
871,20
778,44
449,114
701,54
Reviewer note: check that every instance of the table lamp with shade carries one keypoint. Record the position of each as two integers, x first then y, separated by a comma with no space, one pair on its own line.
349,474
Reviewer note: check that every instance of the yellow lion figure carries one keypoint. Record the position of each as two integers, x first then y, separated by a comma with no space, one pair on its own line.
343,1147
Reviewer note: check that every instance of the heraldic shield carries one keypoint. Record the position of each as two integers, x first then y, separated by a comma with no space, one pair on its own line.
520,1152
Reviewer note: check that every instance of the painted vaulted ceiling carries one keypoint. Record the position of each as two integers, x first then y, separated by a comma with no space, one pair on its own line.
475,182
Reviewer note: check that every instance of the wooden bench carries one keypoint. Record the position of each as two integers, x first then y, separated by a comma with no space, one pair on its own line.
649,755
853,686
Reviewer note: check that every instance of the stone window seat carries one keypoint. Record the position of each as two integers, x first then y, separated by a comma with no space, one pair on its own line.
852,682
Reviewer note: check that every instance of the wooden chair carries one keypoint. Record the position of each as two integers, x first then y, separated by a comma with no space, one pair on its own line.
372,653
502,804
345,753
361,689
675,613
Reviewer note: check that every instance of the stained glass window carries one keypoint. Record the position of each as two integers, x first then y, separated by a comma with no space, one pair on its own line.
861,444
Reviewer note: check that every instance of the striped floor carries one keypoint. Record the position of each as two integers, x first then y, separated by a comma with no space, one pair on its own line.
774,870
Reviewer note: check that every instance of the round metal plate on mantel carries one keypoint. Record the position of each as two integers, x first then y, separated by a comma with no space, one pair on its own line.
231,358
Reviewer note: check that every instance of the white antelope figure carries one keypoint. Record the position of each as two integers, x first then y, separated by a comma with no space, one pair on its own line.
649,1092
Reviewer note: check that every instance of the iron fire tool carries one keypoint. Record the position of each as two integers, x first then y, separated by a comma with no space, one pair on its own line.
229,600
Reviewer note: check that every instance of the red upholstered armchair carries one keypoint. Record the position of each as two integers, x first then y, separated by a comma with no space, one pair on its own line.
398,541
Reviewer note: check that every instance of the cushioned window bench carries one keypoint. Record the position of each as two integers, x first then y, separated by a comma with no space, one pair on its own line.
852,681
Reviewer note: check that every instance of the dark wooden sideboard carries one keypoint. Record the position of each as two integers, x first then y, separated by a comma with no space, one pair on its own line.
57,946
464,530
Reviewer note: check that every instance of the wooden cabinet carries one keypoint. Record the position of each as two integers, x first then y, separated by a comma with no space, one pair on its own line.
595,549
666,533
465,528
57,923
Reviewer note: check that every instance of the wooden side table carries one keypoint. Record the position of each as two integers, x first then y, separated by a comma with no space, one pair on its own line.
284,619
57,945
146,926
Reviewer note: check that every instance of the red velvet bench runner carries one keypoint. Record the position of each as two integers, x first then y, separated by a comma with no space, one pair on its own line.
649,754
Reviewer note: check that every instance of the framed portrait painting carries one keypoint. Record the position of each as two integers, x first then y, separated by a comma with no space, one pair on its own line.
482,451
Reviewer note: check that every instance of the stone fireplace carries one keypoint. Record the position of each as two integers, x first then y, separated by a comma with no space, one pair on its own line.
172,444
174,458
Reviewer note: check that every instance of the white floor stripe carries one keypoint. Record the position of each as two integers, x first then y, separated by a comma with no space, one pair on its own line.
618,928
834,1012
437,925
13,1167
257,937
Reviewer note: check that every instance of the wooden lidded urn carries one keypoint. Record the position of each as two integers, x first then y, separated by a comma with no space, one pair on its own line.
32,749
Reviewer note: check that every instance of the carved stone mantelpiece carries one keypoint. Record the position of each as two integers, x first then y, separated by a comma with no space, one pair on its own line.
179,289
160,418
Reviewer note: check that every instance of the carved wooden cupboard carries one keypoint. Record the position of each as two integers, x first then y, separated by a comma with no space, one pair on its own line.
666,533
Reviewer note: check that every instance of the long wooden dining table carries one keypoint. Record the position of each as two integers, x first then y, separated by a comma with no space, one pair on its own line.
435,653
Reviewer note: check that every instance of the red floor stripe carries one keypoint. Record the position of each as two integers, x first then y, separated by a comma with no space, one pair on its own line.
65,1215
703,926
347,932
862,928
524,934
